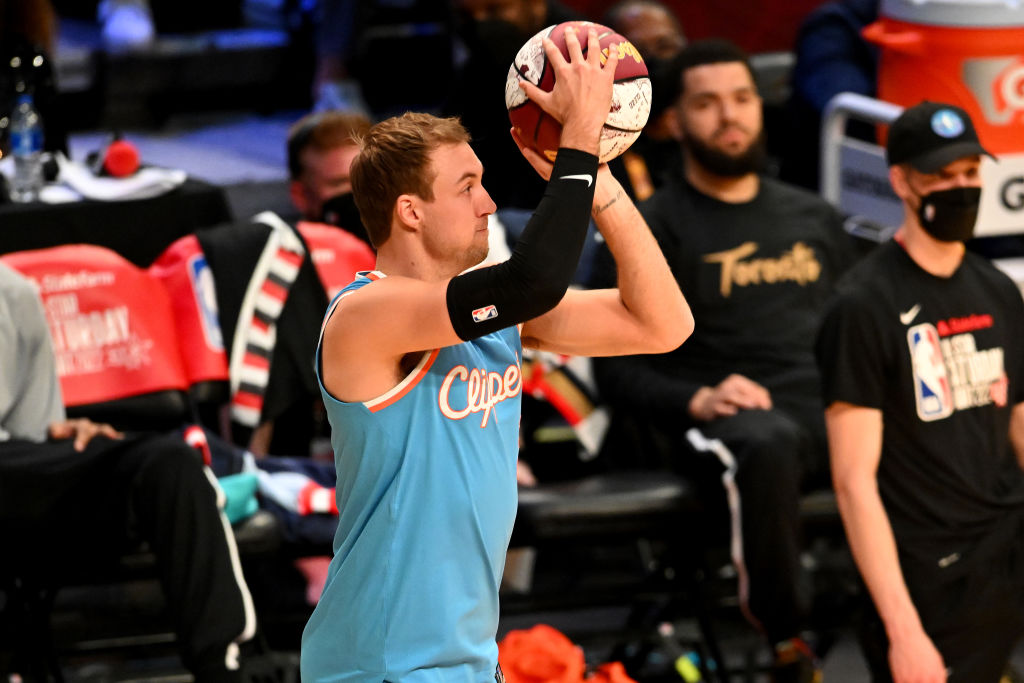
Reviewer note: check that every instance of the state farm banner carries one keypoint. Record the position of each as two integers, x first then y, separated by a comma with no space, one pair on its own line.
110,321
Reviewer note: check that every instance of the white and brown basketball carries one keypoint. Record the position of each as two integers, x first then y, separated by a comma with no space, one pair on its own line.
631,94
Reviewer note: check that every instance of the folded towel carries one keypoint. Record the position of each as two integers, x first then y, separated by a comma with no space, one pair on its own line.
147,182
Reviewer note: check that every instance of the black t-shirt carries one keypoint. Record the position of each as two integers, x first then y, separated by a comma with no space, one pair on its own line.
757,276
942,359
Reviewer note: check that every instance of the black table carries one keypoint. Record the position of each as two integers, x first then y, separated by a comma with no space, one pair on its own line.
138,229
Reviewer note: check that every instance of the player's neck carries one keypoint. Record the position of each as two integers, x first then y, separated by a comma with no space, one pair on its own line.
733,190
935,257
414,264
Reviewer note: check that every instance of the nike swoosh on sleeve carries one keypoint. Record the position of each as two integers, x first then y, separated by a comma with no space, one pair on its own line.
582,176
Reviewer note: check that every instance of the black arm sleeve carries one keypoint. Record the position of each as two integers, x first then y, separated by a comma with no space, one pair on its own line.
542,265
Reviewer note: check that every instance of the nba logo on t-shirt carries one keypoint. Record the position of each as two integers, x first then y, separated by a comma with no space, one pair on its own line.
485,313
931,381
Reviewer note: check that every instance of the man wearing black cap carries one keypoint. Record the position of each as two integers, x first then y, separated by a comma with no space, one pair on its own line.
923,377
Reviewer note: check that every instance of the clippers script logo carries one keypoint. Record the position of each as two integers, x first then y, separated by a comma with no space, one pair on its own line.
485,313
478,390
931,381
998,86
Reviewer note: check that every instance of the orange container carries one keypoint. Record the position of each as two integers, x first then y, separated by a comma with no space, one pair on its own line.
977,64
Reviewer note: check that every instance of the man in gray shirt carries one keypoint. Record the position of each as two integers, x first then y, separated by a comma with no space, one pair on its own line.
74,493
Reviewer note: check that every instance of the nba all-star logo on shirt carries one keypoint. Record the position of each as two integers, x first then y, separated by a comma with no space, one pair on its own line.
951,372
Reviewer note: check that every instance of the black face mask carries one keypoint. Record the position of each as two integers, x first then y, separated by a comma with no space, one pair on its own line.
950,215
340,210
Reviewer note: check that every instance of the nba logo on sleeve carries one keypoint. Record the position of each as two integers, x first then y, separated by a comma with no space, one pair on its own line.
931,381
485,313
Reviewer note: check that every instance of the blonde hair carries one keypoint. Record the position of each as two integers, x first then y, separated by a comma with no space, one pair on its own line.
394,159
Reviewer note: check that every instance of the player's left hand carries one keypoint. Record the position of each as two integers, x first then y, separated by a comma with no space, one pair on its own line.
540,162
82,430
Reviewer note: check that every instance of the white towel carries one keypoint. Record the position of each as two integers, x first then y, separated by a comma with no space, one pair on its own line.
147,182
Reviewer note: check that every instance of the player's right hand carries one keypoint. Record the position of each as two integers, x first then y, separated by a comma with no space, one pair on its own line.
732,394
582,93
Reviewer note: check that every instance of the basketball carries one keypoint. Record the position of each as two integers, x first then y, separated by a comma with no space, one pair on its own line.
631,94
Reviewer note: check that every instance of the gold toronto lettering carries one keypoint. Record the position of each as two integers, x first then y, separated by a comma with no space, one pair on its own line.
799,265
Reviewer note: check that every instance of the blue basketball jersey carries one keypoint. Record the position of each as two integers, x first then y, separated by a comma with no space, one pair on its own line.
427,498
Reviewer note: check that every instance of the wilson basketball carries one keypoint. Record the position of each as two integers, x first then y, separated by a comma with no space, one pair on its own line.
631,94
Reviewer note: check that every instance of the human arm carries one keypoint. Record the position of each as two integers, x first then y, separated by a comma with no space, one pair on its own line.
30,396
855,445
860,352
647,313
1017,432
424,310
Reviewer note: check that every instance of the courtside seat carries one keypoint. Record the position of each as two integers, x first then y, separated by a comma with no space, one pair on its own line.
186,276
626,503
587,524
113,336
118,361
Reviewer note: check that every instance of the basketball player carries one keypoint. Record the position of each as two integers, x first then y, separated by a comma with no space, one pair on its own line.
924,380
420,369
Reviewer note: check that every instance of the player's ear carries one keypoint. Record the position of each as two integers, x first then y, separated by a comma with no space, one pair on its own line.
409,210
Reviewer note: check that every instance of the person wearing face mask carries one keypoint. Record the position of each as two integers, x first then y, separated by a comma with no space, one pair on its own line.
923,376
321,147
325,247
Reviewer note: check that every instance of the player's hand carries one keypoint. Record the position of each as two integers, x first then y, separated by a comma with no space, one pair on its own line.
915,659
82,431
540,163
582,94
543,167
731,395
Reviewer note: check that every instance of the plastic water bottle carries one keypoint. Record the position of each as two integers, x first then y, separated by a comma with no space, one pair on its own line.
27,149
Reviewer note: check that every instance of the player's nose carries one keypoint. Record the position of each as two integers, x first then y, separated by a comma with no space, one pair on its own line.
487,205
